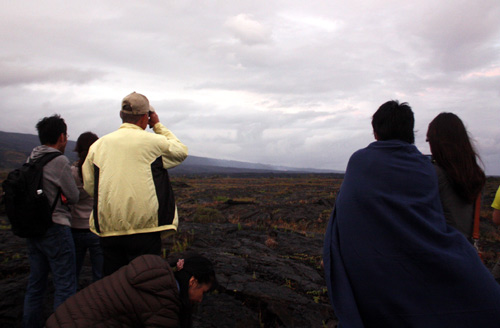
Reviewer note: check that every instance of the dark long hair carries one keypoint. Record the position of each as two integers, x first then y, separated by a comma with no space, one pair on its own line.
202,270
85,140
453,151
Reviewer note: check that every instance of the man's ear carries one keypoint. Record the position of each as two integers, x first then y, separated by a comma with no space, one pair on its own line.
375,135
193,282
144,121
62,138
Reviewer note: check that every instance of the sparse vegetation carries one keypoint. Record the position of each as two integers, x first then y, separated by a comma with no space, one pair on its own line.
221,199
207,214
253,211
5,226
180,246
299,204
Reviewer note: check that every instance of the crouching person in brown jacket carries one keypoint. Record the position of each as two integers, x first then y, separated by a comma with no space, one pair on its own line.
145,293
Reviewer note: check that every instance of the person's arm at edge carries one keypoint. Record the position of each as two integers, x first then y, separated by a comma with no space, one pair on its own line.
496,208
496,217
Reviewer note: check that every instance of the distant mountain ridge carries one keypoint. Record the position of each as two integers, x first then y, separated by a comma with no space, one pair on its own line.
16,147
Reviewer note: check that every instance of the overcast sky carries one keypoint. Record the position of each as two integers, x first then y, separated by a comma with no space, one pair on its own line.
290,83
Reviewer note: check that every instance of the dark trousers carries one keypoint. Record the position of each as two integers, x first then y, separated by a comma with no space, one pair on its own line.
86,240
54,252
120,250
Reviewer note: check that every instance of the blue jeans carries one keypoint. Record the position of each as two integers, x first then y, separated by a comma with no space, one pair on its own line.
85,239
55,252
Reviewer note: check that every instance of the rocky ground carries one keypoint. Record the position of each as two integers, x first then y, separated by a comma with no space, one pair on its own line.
265,237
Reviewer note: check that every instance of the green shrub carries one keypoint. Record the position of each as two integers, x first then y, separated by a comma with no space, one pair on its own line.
207,214
221,199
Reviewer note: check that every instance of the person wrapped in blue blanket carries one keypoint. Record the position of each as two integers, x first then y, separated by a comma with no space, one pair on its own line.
390,258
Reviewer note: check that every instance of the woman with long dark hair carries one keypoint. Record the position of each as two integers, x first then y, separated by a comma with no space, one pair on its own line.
460,177
80,212
147,292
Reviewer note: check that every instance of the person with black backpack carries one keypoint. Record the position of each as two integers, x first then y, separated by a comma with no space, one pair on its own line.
54,249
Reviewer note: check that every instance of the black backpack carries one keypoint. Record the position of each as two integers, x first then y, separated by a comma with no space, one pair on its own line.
27,206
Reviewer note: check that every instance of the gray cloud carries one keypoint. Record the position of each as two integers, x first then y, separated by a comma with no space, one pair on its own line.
282,82
247,30
16,73
461,36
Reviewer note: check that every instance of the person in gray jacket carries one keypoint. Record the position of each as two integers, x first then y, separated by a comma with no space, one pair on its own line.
54,251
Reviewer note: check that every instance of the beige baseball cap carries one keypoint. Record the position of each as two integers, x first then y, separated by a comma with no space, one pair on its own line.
136,104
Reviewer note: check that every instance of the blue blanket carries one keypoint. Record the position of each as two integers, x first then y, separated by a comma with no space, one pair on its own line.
391,260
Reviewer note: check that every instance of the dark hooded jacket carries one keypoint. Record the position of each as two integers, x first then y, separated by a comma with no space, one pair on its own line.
141,294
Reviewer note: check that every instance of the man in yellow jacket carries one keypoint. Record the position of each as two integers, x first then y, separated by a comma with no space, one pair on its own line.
126,173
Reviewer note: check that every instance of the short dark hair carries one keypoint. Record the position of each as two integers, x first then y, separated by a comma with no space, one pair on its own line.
130,118
393,120
50,128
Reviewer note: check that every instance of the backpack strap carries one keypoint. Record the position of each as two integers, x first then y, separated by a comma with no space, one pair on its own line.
53,207
41,162
45,158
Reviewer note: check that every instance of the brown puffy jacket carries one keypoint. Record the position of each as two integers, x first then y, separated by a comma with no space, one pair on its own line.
141,294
